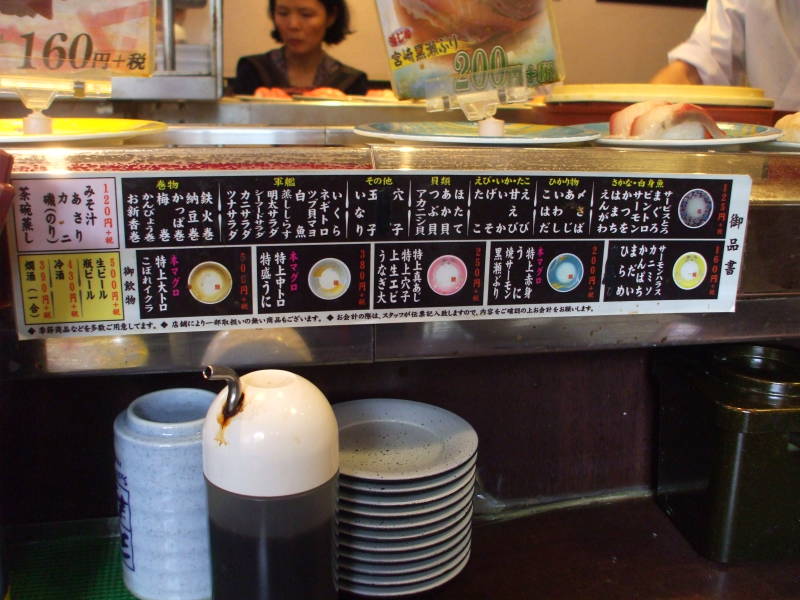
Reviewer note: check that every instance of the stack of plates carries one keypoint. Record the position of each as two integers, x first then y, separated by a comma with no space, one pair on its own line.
406,481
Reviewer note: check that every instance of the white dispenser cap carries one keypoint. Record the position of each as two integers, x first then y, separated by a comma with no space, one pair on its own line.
283,439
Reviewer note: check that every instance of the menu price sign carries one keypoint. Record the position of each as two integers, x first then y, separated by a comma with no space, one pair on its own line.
76,39
473,44
118,253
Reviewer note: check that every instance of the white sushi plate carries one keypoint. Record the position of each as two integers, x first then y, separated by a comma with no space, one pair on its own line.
737,133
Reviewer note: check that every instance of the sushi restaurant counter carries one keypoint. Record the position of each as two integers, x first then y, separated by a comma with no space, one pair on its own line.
622,550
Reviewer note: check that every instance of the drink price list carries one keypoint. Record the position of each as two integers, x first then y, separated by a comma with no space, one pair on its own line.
156,252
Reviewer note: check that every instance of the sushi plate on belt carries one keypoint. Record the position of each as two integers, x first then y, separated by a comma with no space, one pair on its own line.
464,132
735,133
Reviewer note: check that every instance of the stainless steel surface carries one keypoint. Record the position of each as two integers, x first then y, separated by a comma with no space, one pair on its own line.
184,98
168,27
179,87
252,135
320,113
234,396
768,307
169,82
237,135
754,319
180,353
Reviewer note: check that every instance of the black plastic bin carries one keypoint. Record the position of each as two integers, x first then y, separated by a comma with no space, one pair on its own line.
728,470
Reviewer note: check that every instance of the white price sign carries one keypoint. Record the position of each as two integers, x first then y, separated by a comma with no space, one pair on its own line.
77,39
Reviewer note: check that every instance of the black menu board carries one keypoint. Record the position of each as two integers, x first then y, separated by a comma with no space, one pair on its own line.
194,251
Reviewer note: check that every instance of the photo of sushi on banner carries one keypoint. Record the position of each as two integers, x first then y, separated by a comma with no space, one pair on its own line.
544,272
689,270
565,272
428,274
664,270
695,208
329,278
447,275
194,282
312,277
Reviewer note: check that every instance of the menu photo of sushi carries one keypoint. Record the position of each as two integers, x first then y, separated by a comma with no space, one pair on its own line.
194,282
312,278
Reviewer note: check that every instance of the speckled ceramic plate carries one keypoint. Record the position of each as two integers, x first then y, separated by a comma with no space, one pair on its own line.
416,566
403,522
405,534
418,549
391,550
353,497
389,439
397,590
408,510
396,579
407,486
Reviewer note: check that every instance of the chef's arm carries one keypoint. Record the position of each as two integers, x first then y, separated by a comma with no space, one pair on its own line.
677,71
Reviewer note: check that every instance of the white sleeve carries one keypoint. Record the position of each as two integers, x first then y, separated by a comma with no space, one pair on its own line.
716,45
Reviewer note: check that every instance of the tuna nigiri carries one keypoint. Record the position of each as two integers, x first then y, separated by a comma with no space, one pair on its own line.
654,120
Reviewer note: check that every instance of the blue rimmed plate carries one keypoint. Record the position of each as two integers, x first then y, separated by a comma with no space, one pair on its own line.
736,133
465,132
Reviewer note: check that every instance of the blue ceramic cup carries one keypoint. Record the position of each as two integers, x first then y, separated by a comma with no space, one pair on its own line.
161,497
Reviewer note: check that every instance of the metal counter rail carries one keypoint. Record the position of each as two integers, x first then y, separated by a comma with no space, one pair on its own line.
768,306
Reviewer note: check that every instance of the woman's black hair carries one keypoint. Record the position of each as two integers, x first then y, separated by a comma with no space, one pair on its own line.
338,30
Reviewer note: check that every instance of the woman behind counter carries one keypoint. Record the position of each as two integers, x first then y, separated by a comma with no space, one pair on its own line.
302,26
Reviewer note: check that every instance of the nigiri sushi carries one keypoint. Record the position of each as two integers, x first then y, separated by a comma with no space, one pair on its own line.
790,125
619,123
655,120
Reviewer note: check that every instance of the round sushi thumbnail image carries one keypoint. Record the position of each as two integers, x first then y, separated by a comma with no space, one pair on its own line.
695,208
329,278
447,275
689,270
210,282
565,272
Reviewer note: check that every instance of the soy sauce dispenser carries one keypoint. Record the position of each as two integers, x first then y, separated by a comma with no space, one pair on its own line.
271,461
